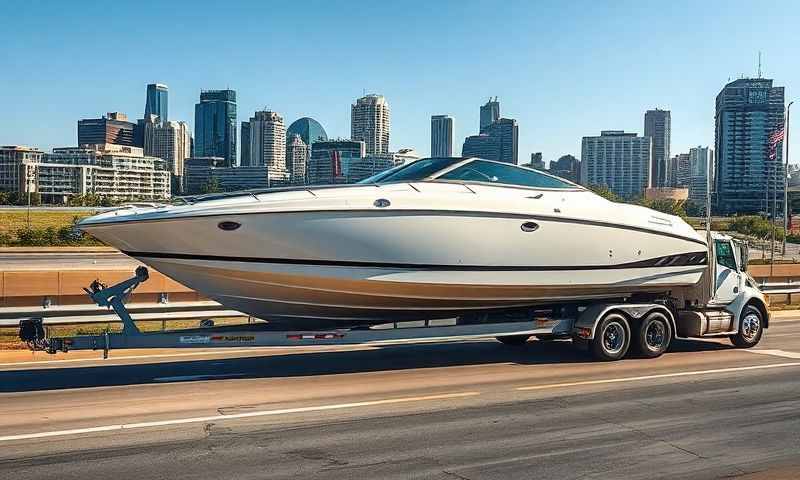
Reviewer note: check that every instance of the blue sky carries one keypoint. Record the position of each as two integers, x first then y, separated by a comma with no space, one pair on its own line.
562,69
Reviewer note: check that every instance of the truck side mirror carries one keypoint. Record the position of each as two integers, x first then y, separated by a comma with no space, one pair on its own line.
744,256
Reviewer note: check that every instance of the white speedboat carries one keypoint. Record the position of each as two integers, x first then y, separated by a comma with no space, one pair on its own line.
436,238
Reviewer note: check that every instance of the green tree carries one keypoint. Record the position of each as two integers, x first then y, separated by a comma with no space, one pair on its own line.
604,192
211,186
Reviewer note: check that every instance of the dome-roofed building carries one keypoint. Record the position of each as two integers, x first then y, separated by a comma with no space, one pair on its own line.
309,130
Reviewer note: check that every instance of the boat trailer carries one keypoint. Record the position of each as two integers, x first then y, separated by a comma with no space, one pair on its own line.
32,330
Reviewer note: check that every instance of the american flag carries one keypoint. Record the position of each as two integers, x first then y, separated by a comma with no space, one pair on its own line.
774,140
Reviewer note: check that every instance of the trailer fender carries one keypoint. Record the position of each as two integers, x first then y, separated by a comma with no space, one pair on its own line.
587,321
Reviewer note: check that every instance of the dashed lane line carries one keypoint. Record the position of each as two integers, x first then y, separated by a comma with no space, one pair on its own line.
217,418
662,375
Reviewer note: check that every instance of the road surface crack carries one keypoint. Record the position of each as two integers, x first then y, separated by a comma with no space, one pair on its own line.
453,474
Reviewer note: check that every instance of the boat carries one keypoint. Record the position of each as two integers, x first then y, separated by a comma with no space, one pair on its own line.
436,238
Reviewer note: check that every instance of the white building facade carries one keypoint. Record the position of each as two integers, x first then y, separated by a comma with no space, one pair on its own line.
618,160
370,123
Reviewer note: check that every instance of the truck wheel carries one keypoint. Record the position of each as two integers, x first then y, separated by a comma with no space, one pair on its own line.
611,339
750,329
514,340
653,335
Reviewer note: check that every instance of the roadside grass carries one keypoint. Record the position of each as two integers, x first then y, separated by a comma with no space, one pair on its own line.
13,220
46,228
9,337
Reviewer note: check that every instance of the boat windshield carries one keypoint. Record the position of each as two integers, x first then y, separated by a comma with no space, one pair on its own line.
475,170
485,171
418,170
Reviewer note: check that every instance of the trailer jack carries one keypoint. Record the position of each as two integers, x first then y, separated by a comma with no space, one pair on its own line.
31,331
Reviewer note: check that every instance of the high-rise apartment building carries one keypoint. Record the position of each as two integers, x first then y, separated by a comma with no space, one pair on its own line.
749,168
490,113
701,165
441,136
658,125
369,123
296,159
268,143
172,142
113,128
618,160
157,101
215,125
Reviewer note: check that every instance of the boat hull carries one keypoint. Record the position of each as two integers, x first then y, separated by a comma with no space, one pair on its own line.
371,266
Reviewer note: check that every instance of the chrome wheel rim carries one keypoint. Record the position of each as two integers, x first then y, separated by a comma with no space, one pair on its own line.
614,337
655,335
751,325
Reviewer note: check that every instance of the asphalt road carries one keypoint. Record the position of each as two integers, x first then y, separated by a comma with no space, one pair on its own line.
462,410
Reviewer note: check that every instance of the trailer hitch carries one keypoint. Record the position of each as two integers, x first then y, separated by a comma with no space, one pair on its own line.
32,332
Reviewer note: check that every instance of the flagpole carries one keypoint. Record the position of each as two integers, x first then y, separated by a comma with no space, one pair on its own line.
786,213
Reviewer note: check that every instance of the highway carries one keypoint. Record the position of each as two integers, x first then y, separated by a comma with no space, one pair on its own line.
458,410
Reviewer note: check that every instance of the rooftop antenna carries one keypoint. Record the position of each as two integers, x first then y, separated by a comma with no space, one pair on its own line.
759,64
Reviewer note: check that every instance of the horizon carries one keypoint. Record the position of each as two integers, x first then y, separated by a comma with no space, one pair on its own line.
420,68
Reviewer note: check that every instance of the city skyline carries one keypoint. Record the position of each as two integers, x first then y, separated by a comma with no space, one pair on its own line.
545,90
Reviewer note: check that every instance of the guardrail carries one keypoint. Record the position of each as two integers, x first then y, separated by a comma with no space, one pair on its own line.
65,315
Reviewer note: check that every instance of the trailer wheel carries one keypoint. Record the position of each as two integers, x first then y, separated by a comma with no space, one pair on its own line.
611,339
750,329
653,335
514,340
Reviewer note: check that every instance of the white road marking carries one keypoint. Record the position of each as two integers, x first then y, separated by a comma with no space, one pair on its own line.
777,353
663,375
221,351
183,378
217,418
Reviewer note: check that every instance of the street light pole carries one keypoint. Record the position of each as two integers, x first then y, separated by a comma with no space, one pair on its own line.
786,179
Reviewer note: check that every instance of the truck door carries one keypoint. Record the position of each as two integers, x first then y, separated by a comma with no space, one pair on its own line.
728,276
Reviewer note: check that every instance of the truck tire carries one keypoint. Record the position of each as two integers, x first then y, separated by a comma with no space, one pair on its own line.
751,327
612,338
513,340
653,335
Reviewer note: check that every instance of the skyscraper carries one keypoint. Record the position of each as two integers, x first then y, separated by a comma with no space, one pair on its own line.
114,128
215,125
749,169
658,125
244,139
490,113
310,131
369,123
171,142
268,143
618,160
330,161
441,136
481,146
296,159
568,167
536,161
156,103
701,164
506,134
